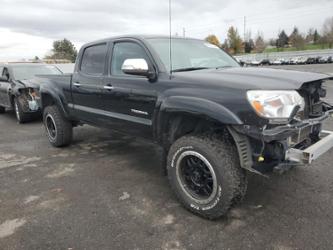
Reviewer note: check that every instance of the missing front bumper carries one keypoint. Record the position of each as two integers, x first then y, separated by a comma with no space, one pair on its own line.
313,152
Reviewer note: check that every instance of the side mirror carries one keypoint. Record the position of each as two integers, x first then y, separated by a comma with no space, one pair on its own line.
4,79
138,67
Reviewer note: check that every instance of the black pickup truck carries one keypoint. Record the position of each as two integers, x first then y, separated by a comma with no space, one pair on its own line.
16,90
214,119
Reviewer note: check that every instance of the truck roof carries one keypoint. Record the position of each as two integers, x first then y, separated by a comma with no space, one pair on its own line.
140,37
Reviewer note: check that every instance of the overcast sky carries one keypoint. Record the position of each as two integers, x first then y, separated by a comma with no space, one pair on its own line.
28,27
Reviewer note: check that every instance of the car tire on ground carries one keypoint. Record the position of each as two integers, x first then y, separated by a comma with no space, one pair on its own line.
58,129
241,192
205,174
20,115
2,110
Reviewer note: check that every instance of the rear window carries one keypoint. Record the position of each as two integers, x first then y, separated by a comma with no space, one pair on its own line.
93,59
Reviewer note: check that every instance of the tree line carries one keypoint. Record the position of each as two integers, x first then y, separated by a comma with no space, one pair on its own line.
234,44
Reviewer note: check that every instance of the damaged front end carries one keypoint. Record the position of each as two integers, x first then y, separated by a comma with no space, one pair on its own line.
299,140
29,100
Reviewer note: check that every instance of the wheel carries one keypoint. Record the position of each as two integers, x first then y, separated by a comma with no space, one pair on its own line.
20,115
205,174
2,110
58,129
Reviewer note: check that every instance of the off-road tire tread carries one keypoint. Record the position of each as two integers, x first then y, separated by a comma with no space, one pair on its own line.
63,126
224,149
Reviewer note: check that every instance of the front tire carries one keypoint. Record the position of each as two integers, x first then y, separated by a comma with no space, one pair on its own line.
205,174
58,129
21,117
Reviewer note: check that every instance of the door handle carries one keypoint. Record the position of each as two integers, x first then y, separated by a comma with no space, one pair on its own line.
77,84
108,87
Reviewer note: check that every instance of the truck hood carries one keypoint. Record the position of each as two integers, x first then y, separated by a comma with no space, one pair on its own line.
251,78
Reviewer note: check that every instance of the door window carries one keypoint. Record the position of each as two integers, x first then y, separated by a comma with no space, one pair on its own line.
93,59
123,51
5,73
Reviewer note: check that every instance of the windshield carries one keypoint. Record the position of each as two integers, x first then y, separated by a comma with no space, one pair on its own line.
24,72
191,54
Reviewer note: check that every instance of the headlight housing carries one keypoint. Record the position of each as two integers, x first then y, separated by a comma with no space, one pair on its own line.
275,104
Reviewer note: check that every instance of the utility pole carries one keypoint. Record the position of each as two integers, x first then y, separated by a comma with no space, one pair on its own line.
244,28
184,32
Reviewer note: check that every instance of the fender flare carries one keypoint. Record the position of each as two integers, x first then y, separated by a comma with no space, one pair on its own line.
199,106
194,106
56,98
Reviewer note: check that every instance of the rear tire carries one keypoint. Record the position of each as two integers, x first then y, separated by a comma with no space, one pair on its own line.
58,129
21,117
205,174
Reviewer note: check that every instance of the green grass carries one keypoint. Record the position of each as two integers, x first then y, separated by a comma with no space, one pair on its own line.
307,47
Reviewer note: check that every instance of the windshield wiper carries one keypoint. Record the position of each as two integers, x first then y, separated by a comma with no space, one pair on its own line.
189,69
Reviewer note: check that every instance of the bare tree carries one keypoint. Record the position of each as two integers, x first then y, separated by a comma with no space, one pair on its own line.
260,43
225,45
299,42
328,31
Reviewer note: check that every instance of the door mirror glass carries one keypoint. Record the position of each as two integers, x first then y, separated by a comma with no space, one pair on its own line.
136,66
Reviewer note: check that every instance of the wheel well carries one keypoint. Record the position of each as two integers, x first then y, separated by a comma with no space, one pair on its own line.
179,125
12,97
47,100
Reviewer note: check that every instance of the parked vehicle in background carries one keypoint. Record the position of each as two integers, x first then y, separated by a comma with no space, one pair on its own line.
277,62
264,62
294,60
318,59
255,63
325,59
18,93
330,59
311,60
302,60
213,118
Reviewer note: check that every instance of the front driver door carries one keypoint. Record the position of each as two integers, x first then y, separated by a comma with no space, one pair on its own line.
130,100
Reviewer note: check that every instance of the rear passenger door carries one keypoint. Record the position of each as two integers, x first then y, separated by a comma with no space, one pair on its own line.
87,83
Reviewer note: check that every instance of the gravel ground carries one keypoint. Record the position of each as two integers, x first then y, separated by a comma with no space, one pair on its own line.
106,191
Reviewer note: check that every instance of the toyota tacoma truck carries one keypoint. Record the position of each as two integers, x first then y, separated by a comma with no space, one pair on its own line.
18,93
214,119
